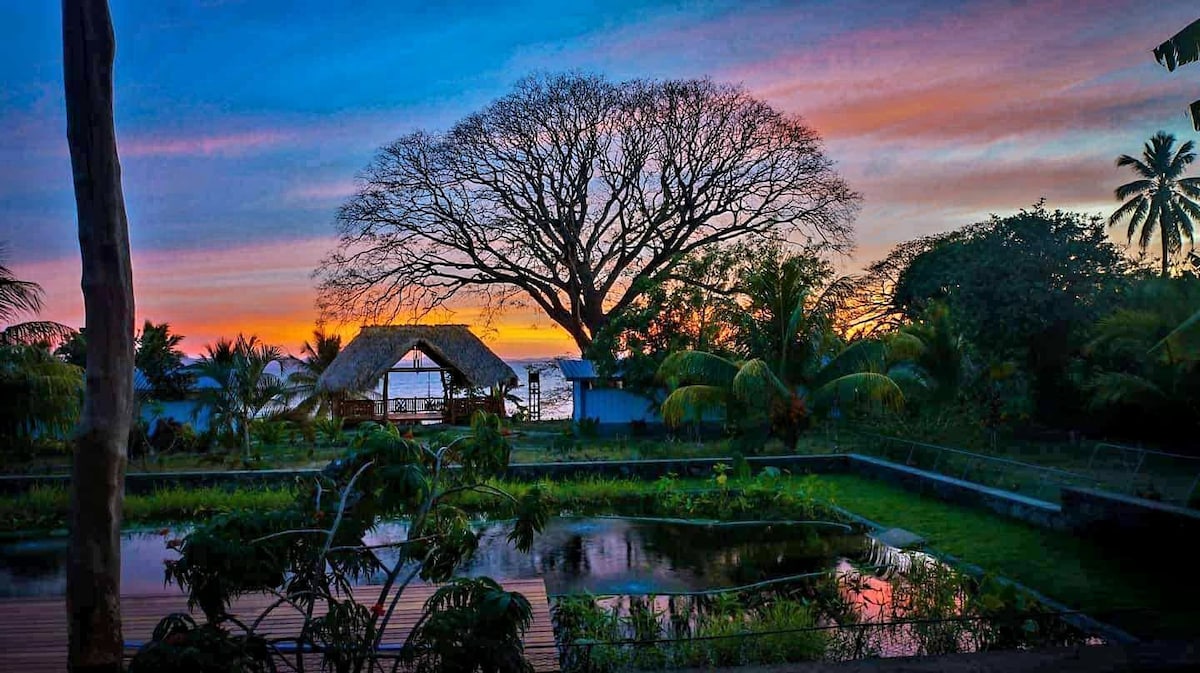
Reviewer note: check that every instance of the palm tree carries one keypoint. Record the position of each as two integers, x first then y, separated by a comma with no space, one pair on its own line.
22,297
318,355
160,359
794,362
1161,198
1146,359
245,388
41,393
928,355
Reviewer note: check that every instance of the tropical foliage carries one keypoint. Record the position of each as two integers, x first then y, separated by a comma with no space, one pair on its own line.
1161,199
313,554
1138,365
160,360
239,381
789,361
20,299
317,356
41,393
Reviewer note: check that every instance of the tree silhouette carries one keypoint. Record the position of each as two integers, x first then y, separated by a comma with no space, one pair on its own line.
22,297
1161,198
576,193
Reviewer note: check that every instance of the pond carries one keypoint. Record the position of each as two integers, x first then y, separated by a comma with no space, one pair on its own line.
600,555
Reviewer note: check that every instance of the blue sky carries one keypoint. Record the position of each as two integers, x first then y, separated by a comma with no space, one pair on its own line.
242,123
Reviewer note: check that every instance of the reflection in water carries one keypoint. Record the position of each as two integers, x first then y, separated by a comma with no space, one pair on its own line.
573,555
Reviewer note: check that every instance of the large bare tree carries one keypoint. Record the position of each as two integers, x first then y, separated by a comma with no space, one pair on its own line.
570,190
98,470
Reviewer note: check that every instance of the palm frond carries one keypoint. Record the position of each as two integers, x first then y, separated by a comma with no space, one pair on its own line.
42,394
1112,388
1189,186
903,345
911,378
1181,49
857,389
1131,188
1153,217
756,384
860,356
691,402
35,332
1140,167
1180,330
697,367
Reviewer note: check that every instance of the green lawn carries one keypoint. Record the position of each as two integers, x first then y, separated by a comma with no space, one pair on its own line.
1101,580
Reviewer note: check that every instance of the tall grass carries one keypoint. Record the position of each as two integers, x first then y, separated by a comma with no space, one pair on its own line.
44,508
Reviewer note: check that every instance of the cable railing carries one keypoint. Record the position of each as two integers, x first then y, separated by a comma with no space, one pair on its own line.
1157,475
828,642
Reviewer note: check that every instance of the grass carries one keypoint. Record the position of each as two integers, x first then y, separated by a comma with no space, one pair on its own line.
1113,585
46,508
1125,587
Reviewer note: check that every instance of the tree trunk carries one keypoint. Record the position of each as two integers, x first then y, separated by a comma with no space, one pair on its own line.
1166,263
95,642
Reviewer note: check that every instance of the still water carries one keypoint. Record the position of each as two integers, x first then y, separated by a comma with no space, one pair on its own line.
598,555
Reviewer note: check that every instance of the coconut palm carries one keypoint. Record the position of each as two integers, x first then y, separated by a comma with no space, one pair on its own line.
928,355
796,365
22,298
1143,361
1161,199
318,355
41,393
245,388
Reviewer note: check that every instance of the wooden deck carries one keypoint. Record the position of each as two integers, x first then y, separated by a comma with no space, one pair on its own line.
33,632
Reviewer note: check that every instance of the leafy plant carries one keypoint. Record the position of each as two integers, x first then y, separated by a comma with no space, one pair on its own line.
330,430
313,552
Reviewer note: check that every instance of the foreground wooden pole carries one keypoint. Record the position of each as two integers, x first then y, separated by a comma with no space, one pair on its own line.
95,643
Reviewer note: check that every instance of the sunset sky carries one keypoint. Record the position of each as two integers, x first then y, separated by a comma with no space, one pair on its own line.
242,124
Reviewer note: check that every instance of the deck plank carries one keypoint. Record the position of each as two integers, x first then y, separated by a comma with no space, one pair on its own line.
33,633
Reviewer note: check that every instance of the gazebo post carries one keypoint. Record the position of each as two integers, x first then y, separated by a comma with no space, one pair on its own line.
386,375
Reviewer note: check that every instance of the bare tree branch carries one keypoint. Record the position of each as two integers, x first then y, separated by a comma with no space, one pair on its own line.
569,191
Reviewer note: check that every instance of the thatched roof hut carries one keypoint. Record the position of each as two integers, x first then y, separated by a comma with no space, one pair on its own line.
376,349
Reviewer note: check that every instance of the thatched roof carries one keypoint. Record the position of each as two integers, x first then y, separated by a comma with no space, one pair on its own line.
363,362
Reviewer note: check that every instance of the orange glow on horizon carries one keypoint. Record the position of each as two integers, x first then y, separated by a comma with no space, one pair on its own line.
206,295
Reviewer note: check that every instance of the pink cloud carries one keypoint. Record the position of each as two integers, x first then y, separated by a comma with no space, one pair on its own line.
226,144
336,190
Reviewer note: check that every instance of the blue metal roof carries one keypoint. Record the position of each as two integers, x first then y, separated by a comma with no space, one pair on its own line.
578,370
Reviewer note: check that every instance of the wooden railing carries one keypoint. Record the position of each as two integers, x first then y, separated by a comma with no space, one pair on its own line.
459,409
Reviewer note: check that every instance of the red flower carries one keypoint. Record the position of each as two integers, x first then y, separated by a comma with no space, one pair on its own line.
377,609
164,532
174,543
318,515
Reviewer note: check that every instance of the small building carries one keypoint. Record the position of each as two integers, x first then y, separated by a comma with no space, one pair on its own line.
472,376
605,401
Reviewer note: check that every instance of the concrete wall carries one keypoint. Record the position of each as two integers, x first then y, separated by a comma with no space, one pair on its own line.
1007,503
1122,518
